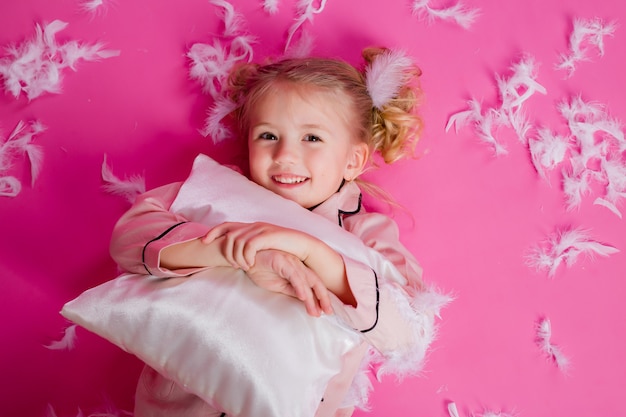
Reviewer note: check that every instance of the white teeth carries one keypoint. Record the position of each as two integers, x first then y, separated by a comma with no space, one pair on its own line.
289,180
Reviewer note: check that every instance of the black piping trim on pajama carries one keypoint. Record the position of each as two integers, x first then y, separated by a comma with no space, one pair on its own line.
143,251
377,304
341,212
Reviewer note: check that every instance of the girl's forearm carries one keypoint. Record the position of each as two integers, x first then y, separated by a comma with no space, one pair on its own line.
193,254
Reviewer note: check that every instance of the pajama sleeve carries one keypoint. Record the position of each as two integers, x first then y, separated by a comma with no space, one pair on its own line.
397,319
147,228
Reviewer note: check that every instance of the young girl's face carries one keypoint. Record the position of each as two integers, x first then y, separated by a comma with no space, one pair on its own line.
301,143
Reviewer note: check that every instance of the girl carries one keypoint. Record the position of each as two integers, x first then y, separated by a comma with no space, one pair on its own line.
312,126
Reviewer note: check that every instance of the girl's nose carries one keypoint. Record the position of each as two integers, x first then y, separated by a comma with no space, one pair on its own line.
285,153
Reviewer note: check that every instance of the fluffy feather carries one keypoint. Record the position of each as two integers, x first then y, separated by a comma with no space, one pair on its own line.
9,186
35,67
213,126
91,6
305,11
386,75
521,85
211,63
421,310
465,117
19,143
585,32
547,150
233,21
575,187
597,138
303,46
514,91
67,342
129,188
458,13
452,409
565,246
270,6
553,352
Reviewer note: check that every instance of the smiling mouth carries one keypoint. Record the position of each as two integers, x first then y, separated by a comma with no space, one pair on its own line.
289,179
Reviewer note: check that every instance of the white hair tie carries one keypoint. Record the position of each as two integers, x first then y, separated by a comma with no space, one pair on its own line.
386,75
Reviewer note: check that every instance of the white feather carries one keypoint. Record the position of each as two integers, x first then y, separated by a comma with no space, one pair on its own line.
386,75
91,6
10,186
129,188
67,342
585,32
19,143
303,46
419,307
574,188
565,246
547,150
35,67
305,11
485,127
211,64
233,21
465,117
553,352
270,6
452,410
458,13
213,126
521,85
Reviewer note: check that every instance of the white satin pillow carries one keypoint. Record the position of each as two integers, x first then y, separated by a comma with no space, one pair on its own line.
246,351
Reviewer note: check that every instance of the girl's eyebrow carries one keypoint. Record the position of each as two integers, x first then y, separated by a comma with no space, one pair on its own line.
314,126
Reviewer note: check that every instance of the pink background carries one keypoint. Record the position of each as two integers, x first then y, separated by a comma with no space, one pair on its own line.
473,216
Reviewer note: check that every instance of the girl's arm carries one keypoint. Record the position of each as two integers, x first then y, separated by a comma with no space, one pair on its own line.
242,241
148,238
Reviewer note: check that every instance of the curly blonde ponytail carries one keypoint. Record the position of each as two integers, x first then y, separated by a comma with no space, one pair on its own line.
396,126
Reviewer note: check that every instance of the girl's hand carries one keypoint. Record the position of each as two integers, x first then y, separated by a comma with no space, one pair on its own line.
281,272
242,241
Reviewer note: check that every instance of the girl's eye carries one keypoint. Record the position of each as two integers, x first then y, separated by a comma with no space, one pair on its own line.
267,136
312,138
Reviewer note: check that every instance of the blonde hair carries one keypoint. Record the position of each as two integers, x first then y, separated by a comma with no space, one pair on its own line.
392,130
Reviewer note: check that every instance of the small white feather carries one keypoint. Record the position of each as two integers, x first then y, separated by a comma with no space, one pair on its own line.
305,12
458,13
585,32
565,246
35,66
553,352
547,150
129,188
270,6
452,410
233,21
386,75
67,342
213,126
465,117
10,186
303,46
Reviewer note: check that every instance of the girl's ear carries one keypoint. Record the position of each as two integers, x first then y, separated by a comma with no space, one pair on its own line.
356,161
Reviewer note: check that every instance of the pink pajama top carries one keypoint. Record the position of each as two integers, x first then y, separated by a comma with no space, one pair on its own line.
395,335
